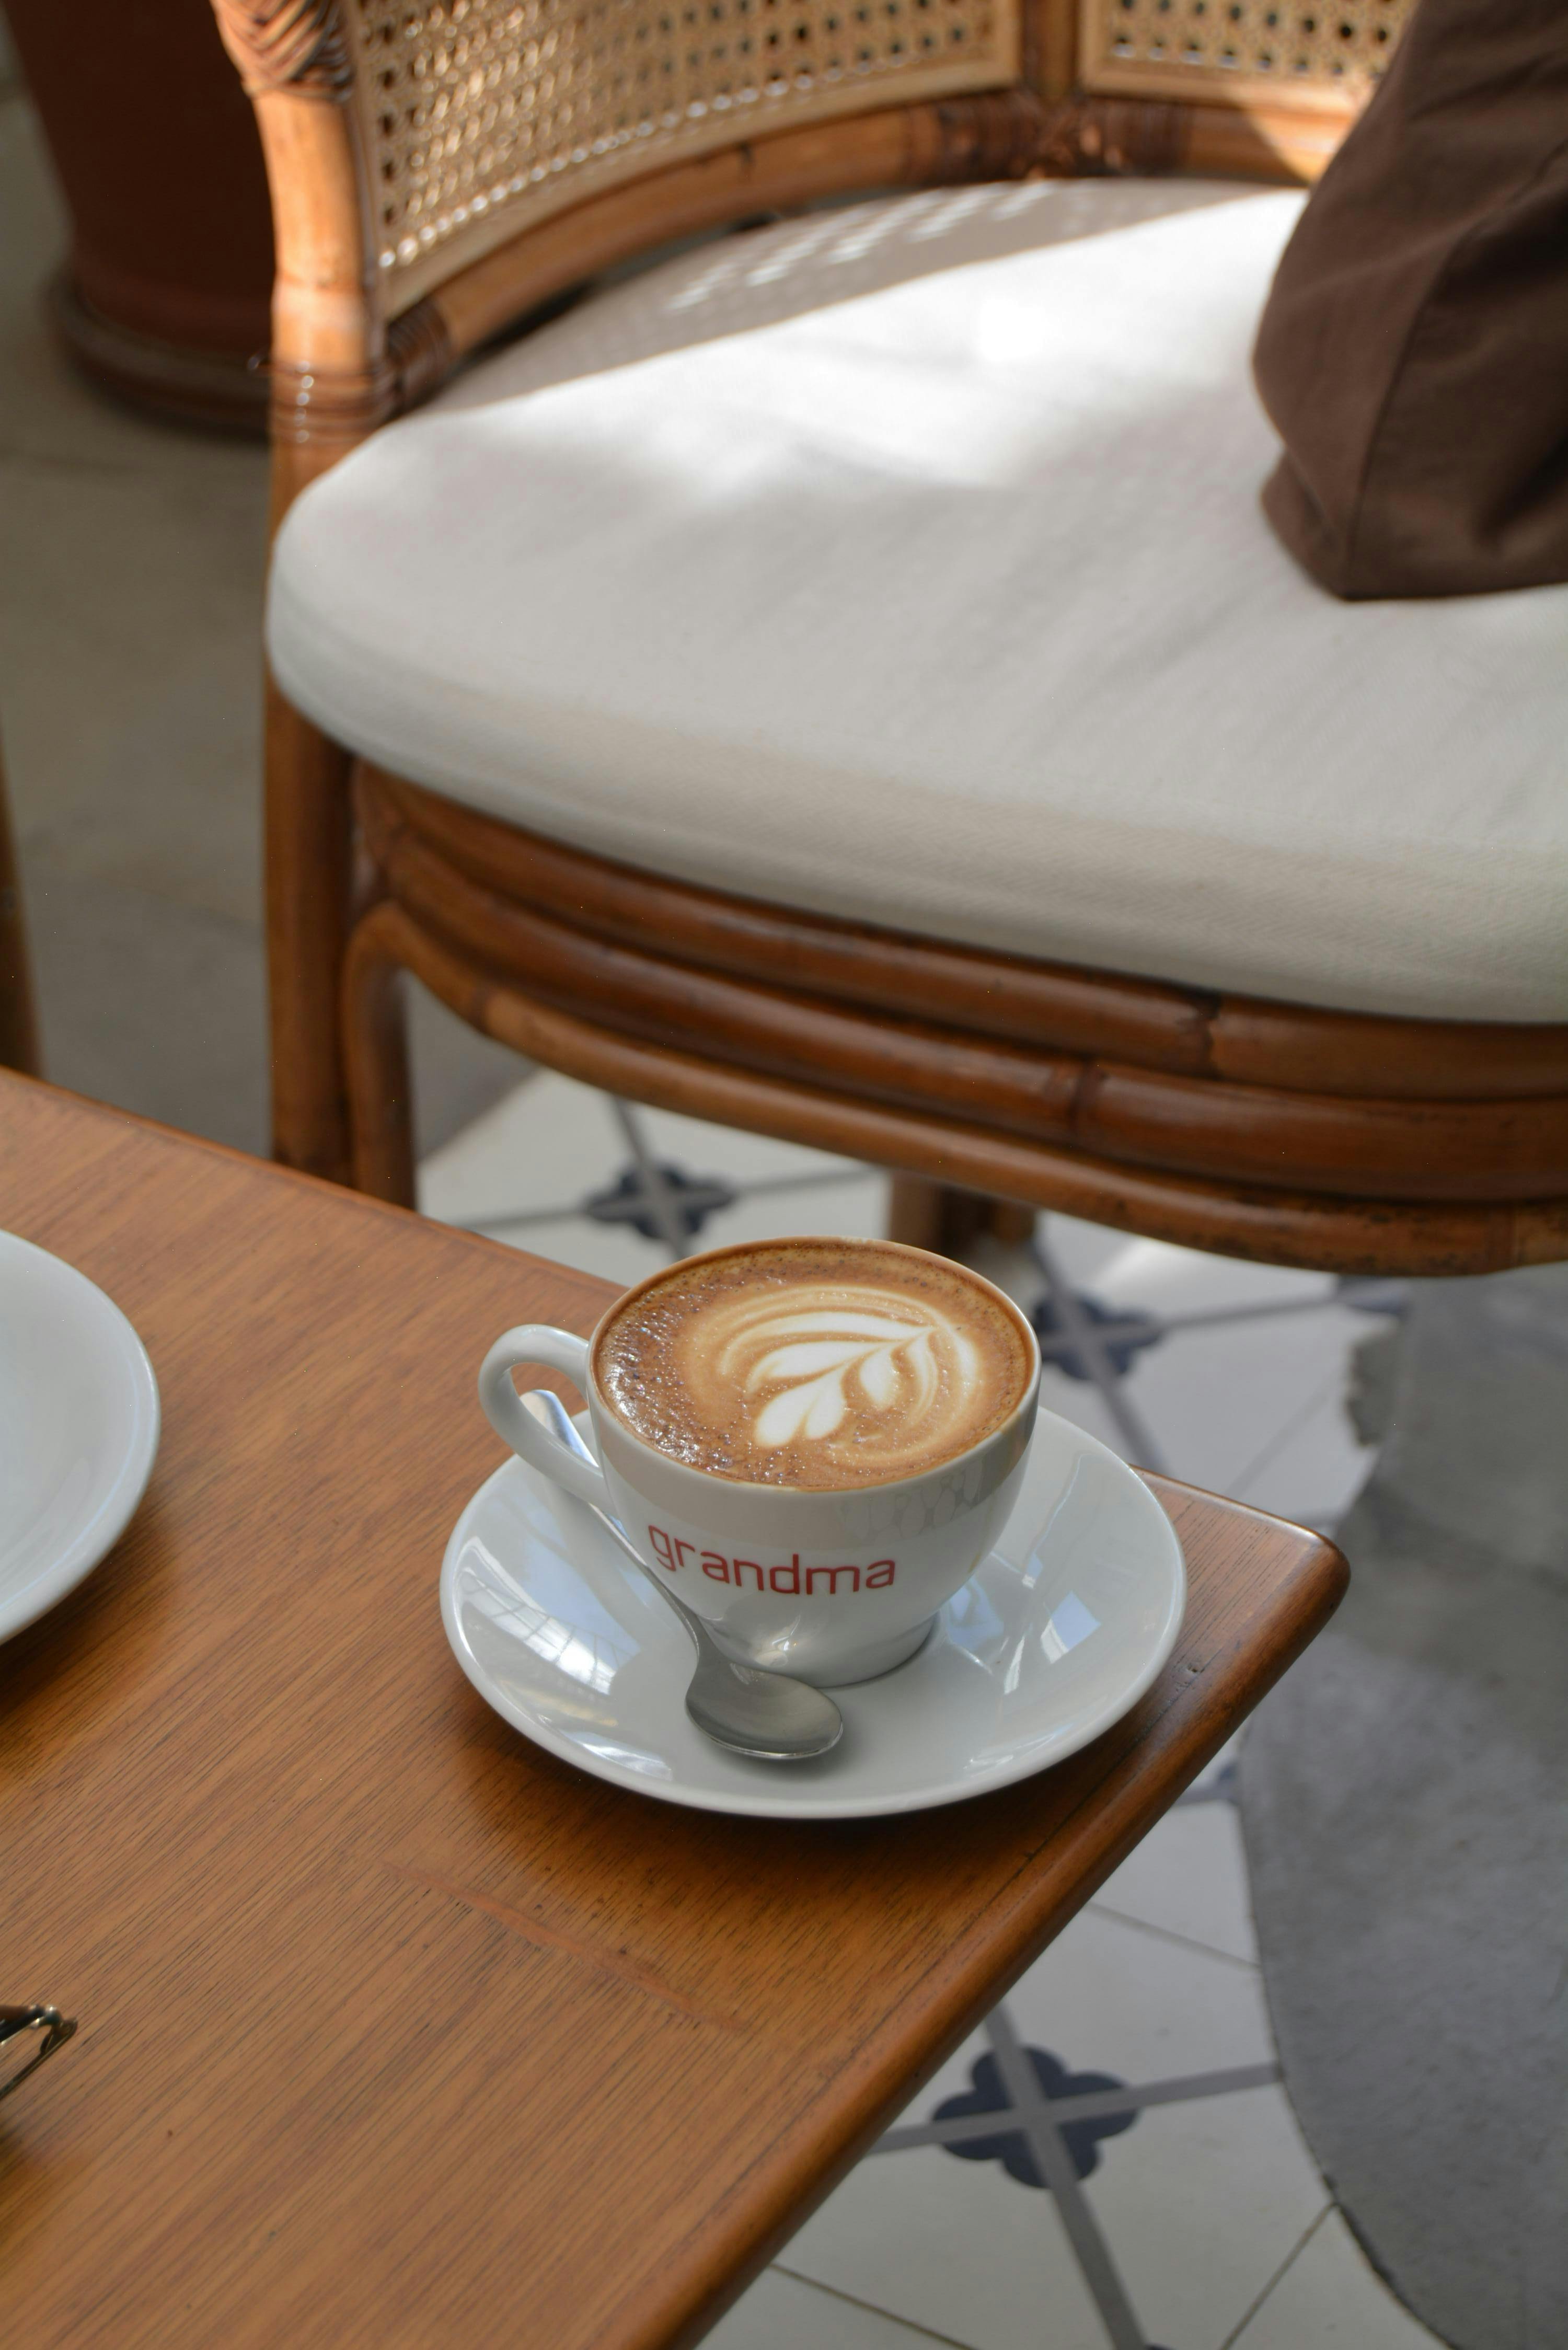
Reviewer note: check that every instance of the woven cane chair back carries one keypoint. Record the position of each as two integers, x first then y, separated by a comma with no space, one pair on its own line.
479,117
471,122
1245,51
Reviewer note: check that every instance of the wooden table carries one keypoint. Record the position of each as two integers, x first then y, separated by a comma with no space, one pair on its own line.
395,2030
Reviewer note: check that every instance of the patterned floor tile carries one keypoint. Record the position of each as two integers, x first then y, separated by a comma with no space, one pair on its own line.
1202,2200
1188,1878
1316,1465
954,2246
1112,1995
1201,2203
1234,1406
1330,2298
787,2313
1220,1398
552,1144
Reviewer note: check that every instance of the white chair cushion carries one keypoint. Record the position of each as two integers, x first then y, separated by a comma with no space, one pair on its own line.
906,564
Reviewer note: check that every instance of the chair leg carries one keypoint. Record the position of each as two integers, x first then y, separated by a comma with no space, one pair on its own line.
310,864
936,1216
18,1026
376,1057
662,1204
1093,1354
939,1217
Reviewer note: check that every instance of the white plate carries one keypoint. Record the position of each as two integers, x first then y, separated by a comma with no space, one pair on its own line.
1058,1631
78,1428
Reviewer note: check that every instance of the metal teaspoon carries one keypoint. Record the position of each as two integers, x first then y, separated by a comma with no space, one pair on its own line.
773,1717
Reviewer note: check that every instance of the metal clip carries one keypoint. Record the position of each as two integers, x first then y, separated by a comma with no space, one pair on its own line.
51,2028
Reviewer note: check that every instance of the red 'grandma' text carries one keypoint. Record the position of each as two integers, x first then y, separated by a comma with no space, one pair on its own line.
793,1579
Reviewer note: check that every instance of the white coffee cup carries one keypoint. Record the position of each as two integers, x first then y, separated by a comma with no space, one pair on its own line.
834,1587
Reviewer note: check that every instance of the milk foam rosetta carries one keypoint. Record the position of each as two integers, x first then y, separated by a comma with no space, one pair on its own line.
815,1363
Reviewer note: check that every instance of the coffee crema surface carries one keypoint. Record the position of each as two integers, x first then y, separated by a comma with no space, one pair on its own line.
815,1364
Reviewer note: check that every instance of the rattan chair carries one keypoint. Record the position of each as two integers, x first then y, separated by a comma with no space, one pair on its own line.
1254,1040
18,1025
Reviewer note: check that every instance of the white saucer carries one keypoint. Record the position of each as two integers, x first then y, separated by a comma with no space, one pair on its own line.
1058,1631
78,1428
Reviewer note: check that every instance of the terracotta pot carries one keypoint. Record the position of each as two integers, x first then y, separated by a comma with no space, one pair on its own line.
165,296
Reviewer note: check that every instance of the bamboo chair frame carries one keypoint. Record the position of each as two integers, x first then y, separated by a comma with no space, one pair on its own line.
19,1021
1334,1140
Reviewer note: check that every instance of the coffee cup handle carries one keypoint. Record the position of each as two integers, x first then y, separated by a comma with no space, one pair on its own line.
557,1350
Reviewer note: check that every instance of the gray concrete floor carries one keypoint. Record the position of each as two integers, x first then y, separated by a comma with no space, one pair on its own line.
132,564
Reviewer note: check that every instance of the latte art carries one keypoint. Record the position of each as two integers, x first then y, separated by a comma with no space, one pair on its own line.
815,1363
812,1369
